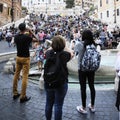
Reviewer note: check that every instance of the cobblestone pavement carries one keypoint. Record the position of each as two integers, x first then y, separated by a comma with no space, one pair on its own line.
4,47
34,109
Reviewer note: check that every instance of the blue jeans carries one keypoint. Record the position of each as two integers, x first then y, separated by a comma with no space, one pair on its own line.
55,97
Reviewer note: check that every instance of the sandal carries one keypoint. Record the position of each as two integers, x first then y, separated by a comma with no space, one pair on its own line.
81,110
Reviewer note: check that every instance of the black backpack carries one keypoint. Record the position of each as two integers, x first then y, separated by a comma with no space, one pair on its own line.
54,73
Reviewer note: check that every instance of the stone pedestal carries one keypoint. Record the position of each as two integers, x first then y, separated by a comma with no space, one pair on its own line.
10,66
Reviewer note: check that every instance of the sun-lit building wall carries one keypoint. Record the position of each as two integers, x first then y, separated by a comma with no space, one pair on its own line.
43,6
10,10
109,11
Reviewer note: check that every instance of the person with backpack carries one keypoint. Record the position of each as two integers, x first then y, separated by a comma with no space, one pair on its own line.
88,63
56,77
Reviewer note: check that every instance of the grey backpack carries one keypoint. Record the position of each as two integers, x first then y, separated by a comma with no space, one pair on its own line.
91,59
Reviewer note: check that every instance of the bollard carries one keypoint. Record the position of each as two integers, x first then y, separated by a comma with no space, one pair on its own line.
41,81
12,60
8,67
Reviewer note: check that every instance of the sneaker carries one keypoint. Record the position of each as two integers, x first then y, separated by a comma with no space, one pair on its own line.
22,100
92,109
81,110
16,96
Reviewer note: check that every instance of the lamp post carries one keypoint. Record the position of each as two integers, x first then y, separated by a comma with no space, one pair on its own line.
12,12
82,4
46,6
115,11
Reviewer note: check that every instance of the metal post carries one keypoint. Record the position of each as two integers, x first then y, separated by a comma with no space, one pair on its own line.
115,11
46,6
74,7
82,4
12,12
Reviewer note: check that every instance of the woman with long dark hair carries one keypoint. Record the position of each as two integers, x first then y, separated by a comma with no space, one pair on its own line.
87,41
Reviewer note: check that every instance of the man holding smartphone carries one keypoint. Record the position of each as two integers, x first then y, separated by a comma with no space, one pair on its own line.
22,42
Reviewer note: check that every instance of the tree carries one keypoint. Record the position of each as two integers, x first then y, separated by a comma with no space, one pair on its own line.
70,3
24,10
92,10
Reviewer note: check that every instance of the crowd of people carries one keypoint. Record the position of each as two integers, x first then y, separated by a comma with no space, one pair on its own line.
70,27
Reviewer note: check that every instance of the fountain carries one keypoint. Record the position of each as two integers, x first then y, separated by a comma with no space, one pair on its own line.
106,70
105,74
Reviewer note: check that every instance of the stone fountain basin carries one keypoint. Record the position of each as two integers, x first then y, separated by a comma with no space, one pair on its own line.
106,69
106,72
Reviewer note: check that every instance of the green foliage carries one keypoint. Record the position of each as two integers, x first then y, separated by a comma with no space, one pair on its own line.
70,3
92,8
24,8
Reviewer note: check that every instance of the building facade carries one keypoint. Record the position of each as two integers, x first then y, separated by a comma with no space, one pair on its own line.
85,3
109,11
10,11
56,6
44,6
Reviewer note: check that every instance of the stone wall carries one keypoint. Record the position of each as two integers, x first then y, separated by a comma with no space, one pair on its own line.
4,17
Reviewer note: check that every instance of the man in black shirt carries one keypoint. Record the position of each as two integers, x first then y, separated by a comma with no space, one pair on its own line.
22,42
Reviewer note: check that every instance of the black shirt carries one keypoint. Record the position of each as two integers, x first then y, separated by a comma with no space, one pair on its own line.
22,42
